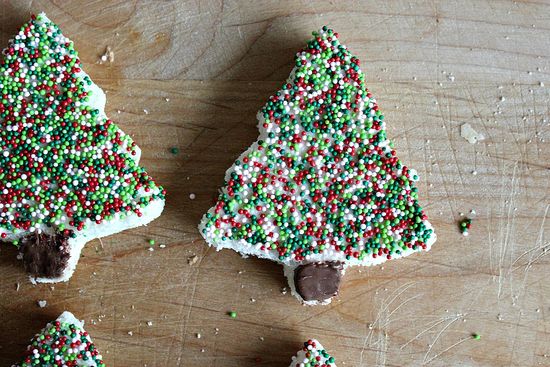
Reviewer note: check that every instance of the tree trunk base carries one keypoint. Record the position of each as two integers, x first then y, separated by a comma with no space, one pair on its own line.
318,281
45,256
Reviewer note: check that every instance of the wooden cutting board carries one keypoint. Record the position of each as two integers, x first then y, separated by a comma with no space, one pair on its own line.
192,74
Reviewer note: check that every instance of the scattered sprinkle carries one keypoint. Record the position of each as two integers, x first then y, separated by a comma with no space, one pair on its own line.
149,323
232,314
174,150
192,196
465,226
192,260
42,303
152,242
476,336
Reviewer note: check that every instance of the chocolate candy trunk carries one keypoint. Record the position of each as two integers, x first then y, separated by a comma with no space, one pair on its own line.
318,281
45,256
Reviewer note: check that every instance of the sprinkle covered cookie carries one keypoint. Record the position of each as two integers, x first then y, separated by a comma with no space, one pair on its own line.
68,174
322,187
312,355
63,342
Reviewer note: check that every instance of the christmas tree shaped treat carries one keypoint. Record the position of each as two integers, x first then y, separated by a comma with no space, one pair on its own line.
322,188
68,174
312,355
63,342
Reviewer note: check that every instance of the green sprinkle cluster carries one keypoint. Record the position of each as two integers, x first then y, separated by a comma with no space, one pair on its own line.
465,225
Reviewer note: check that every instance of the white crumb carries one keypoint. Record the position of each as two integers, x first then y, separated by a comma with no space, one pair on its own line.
108,56
468,133
192,260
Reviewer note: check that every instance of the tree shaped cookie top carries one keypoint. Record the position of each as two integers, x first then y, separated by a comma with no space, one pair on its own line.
65,168
312,355
63,342
322,183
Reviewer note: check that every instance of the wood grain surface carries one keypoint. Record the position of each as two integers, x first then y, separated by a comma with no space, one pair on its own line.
192,74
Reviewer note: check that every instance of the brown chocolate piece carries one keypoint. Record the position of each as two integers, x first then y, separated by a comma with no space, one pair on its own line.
318,281
45,255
